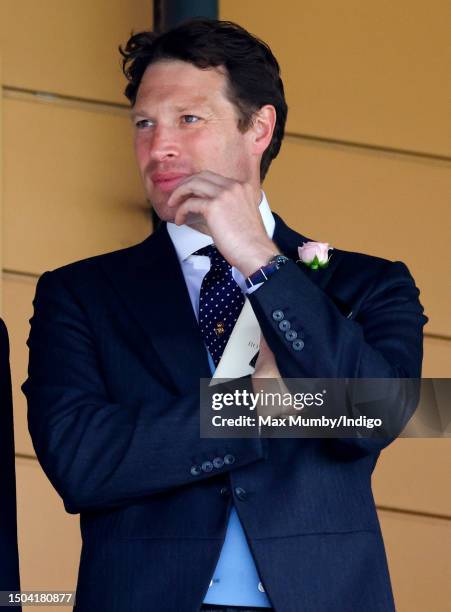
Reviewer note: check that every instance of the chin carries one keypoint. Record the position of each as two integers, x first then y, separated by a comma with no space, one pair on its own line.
164,213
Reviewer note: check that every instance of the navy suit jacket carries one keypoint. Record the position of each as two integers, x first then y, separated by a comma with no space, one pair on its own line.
9,561
113,395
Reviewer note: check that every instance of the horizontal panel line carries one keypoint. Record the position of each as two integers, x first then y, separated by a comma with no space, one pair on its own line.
368,147
25,456
50,97
47,96
434,515
437,336
21,273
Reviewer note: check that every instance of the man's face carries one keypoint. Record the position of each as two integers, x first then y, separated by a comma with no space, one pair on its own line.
184,124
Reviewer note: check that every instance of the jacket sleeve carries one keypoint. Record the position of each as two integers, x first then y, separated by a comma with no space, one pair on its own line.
96,452
384,338
9,560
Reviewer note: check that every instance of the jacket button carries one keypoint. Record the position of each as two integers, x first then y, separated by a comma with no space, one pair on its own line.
207,466
291,335
195,470
298,345
229,459
218,462
284,325
278,315
240,493
224,492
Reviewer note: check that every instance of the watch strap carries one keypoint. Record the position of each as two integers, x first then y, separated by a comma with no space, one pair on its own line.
263,273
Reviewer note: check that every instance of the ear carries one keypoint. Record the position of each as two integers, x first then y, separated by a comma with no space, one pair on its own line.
264,121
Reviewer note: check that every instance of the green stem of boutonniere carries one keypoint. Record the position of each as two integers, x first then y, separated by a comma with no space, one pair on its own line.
315,264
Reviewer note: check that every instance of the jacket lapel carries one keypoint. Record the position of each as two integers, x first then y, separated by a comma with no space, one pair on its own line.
150,281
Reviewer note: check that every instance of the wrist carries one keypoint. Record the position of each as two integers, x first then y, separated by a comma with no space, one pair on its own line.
257,259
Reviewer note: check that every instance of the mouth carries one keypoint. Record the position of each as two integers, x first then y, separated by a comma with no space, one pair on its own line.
168,183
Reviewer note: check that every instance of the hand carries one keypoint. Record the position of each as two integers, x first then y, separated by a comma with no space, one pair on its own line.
266,366
227,210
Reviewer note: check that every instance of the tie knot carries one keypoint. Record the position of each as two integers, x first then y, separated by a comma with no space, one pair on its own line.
216,259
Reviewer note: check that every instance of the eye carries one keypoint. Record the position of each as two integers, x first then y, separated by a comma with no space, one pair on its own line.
191,117
143,123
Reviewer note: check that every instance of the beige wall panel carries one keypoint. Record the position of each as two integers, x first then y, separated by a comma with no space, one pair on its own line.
71,186
69,47
18,294
373,72
437,358
418,555
382,204
49,537
413,474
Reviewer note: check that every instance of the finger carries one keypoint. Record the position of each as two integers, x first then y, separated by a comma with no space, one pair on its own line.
200,185
191,206
214,177
192,187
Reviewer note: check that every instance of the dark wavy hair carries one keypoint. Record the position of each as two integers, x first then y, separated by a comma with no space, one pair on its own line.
253,73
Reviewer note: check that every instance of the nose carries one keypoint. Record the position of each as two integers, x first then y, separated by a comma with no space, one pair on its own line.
164,143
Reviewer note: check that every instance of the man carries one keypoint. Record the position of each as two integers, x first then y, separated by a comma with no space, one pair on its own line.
9,561
171,521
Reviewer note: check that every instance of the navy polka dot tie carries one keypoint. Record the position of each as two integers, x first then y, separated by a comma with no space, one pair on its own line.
220,302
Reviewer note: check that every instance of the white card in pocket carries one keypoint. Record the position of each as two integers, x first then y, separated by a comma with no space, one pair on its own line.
243,344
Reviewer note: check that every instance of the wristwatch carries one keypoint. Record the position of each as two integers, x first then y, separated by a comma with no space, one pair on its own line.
274,263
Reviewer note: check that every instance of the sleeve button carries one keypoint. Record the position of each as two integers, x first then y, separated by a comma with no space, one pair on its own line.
229,459
284,325
291,335
195,470
298,345
278,315
218,462
207,466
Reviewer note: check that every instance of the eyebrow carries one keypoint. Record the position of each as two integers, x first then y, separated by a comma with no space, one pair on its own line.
193,102
200,100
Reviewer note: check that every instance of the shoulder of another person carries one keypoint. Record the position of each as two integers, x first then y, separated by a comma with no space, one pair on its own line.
4,341
3,332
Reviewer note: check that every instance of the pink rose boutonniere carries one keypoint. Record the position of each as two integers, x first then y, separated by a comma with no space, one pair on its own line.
315,254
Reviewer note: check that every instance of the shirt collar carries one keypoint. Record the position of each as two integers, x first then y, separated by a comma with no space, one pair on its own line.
187,240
